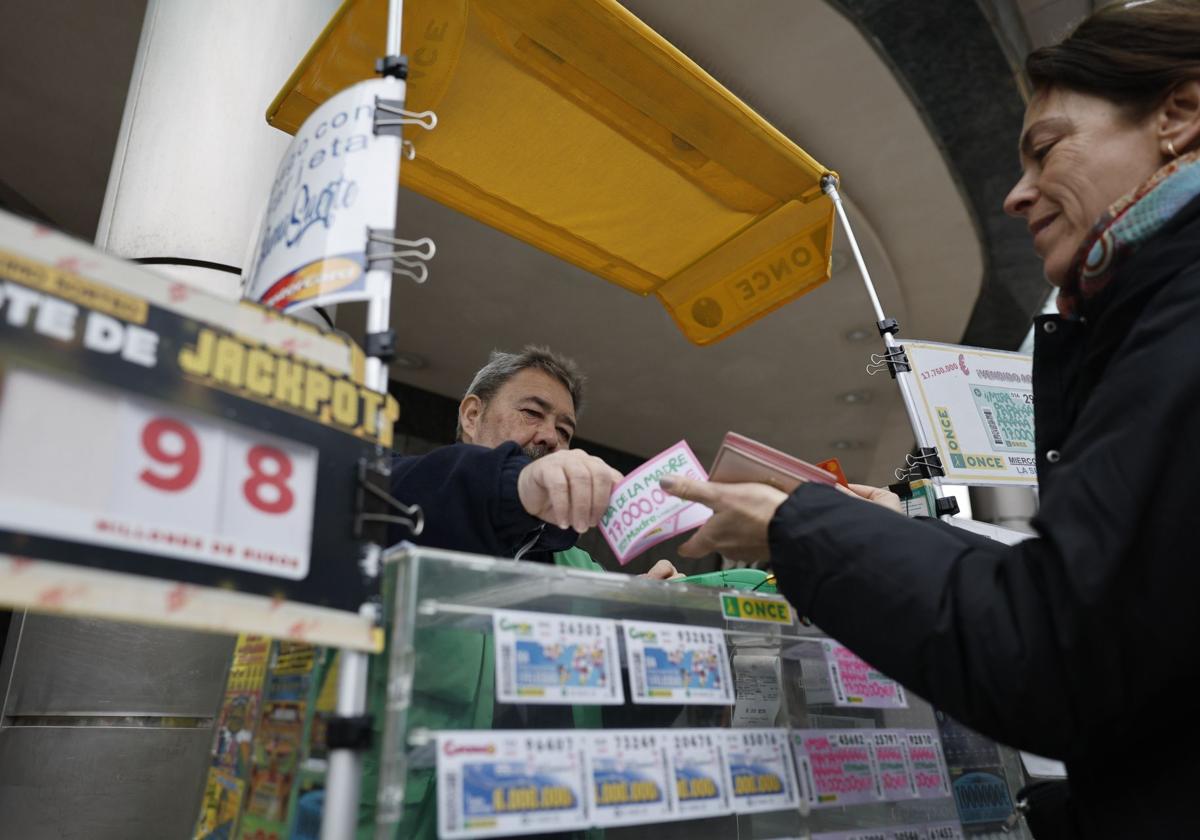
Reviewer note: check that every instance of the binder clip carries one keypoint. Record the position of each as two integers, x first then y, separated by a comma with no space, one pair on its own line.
403,257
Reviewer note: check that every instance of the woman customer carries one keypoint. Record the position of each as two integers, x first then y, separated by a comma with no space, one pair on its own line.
1078,643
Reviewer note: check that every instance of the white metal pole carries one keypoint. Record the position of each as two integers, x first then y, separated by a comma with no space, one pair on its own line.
903,378
339,820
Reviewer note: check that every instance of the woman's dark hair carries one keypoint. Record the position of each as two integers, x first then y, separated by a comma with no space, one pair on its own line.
1132,54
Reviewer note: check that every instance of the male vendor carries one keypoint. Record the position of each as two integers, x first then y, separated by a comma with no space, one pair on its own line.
526,495
511,487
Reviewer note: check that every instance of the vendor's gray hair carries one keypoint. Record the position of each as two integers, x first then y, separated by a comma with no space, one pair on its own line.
502,367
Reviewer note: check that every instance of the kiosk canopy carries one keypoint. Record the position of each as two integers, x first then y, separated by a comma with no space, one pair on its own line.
578,129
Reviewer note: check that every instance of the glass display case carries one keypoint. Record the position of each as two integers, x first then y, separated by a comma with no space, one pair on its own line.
441,676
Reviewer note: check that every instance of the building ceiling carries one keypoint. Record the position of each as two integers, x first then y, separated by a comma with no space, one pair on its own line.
795,379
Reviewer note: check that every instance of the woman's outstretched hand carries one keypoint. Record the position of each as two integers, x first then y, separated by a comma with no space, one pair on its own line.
741,515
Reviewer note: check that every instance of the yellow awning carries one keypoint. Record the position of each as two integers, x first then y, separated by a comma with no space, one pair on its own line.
576,128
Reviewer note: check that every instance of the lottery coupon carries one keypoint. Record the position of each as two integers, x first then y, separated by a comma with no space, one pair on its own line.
670,663
547,658
759,771
928,764
698,762
628,777
498,783
855,683
895,772
641,514
837,766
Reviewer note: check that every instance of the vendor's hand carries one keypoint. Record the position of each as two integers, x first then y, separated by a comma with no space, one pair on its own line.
741,514
663,570
568,488
877,495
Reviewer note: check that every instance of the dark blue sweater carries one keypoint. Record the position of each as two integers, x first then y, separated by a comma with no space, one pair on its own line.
469,496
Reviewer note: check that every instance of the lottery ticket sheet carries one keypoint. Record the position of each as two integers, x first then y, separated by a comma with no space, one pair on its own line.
502,783
629,777
759,771
701,784
837,766
548,658
670,663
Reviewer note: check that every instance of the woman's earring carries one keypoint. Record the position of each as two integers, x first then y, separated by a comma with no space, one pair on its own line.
1171,149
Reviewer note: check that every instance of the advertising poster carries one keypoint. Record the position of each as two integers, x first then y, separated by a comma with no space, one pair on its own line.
837,766
337,179
761,776
698,763
669,663
977,405
492,784
547,658
628,777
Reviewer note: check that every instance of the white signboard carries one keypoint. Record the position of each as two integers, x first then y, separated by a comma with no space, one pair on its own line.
123,472
977,406
337,179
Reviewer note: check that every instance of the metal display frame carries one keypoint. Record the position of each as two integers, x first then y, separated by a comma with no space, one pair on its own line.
926,463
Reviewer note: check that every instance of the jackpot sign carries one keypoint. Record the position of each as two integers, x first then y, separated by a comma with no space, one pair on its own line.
142,436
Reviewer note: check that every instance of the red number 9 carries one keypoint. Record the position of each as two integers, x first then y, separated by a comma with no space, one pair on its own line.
186,461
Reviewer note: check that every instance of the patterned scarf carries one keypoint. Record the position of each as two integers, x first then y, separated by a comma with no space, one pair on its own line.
1128,223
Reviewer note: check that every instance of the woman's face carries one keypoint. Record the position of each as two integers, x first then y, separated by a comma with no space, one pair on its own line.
1079,154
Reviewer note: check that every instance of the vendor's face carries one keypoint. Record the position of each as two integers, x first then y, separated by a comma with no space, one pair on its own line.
1079,154
532,408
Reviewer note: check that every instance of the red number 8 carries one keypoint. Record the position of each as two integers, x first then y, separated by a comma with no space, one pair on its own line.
276,478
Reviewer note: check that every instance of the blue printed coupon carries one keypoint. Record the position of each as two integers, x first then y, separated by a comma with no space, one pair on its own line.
628,777
760,771
501,783
697,760
547,658
669,663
